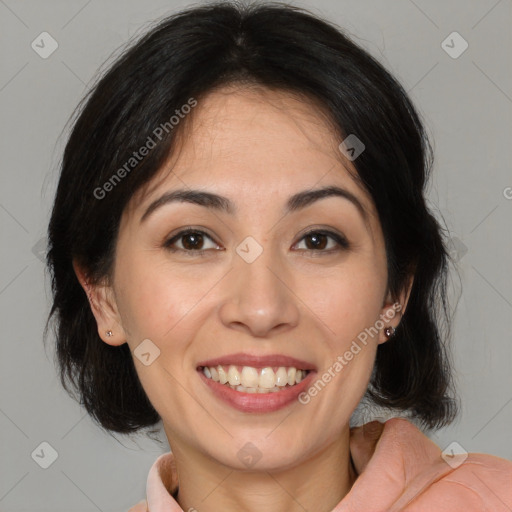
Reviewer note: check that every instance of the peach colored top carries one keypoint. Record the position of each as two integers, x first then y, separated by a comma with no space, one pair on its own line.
399,469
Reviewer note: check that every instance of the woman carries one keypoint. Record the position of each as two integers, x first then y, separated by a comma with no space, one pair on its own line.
240,247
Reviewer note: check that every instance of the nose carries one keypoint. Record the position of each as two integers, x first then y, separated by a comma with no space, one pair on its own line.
259,299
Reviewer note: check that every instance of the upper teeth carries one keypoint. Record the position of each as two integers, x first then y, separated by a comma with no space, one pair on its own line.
250,377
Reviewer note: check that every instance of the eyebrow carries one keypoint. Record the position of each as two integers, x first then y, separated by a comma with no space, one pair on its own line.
213,201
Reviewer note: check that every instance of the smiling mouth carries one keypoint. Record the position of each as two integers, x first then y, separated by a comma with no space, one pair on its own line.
248,379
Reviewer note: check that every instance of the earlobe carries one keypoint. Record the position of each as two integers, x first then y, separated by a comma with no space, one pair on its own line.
390,317
103,308
392,313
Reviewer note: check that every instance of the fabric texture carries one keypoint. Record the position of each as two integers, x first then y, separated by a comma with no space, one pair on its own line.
398,468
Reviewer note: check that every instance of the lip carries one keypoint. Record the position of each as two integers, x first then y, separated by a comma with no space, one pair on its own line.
271,360
257,402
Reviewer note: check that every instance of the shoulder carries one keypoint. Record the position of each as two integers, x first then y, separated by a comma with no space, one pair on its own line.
412,474
466,482
480,483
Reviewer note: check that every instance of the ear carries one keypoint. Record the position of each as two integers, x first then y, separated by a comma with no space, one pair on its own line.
104,308
393,310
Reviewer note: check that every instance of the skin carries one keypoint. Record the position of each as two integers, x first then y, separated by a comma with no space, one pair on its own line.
256,147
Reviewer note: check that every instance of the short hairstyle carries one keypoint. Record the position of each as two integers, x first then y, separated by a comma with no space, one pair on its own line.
188,55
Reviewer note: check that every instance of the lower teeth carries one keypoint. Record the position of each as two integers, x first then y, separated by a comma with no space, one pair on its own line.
258,390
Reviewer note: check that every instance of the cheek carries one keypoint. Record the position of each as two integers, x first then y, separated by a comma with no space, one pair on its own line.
160,301
145,304
348,301
350,307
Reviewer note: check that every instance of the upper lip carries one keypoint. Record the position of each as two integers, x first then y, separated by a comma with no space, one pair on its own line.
242,359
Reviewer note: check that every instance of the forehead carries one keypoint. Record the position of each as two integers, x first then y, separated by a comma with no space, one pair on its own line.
249,143
269,130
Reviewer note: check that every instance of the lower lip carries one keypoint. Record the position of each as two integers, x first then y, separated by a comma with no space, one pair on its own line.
257,402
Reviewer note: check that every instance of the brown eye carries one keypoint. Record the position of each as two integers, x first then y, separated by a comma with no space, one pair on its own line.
323,241
316,241
191,241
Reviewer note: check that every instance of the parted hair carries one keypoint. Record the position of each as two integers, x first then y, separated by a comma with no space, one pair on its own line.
188,55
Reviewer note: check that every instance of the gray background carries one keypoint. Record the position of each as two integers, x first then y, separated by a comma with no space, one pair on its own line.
467,105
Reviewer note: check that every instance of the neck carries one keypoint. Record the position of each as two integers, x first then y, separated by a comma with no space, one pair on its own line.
318,482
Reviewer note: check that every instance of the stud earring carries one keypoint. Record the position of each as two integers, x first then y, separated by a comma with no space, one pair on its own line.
389,332
108,333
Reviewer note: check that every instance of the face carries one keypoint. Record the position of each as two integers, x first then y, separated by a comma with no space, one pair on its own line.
259,281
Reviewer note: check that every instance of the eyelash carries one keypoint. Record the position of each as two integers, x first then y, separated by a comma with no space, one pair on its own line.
342,242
